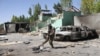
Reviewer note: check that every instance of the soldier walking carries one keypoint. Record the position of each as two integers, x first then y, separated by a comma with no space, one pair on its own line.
50,36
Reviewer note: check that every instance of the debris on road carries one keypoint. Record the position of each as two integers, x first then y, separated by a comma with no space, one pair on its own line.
10,43
10,50
34,33
24,45
26,42
2,38
73,52
36,49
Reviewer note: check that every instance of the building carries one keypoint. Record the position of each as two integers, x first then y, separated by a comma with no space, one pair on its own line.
11,27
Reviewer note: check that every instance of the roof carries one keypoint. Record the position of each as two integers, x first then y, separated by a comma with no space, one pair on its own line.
16,23
46,10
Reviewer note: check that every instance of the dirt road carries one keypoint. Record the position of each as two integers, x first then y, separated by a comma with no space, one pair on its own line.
22,44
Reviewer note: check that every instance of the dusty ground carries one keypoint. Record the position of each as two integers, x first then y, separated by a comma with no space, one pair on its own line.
15,46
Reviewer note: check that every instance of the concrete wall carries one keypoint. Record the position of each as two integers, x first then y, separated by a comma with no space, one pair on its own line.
68,17
57,24
92,21
11,28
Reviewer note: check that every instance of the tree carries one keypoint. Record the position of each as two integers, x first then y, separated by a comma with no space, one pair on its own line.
97,7
14,19
66,3
58,8
22,18
32,18
30,12
54,15
34,14
46,7
27,20
88,6
37,11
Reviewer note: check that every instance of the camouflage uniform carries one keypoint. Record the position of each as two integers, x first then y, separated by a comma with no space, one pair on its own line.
50,36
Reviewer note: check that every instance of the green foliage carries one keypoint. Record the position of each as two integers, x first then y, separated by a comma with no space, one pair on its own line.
32,18
30,12
97,7
90,6
46,7
58,8
14,19
54,15
65,3
19,19
37,11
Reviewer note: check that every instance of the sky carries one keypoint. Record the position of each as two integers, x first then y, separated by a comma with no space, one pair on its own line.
8,8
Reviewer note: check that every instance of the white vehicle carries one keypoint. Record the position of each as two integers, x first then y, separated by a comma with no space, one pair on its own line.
73,33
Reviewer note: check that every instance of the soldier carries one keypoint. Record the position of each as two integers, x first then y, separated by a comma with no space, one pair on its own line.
50,36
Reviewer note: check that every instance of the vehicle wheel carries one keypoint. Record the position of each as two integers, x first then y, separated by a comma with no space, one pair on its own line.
66,38
95,34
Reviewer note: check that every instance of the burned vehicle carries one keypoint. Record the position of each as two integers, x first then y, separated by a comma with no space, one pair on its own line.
73,33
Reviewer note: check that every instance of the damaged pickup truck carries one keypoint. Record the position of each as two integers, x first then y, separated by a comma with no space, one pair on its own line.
74,33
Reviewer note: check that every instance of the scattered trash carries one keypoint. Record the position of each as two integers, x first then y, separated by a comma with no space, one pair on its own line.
36,49
67,53
1,53
41,47
26,42
10,43
34,33
3,38
72,45
73,51
86,46
22,30
10,50
8,54
30,39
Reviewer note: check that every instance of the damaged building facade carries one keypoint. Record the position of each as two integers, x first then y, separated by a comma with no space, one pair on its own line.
92,21
11,27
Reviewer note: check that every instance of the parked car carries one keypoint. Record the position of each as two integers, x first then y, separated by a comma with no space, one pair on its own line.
70,33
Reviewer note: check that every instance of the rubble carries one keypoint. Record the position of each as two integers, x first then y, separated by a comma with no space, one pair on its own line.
10,50
72,45
22,30
2,38
34,33
36,49
27,42
73,52
8,54
1,52
40,49
10,43
23,45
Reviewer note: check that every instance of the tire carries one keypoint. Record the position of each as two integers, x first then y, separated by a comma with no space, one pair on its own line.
95,34
66,38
